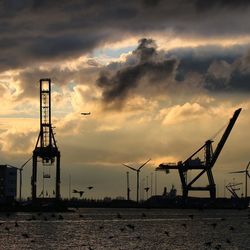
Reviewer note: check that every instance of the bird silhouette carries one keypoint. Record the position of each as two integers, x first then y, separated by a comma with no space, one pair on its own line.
80,192
80,216
218,246
231,228
131,226
143,215
167,233
214,225
60,217
101,227
184,225
228,241
90,187
7,229
25,235
208,244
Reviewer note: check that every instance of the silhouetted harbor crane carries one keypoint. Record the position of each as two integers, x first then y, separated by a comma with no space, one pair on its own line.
247,175
46,148
205,166
232,188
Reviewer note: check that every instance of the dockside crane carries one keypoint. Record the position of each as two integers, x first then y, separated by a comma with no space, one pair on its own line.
247,175
205,165
232,188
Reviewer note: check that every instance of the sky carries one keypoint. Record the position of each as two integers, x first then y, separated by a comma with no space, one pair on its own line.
159,78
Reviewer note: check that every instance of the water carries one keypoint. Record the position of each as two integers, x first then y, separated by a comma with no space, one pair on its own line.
103,229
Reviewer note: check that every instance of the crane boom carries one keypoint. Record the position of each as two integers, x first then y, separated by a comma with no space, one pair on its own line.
224,137
219,146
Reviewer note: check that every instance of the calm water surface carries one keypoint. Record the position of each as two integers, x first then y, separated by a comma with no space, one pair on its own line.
127,229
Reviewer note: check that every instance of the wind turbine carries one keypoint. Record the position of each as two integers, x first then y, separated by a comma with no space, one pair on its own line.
21,177
137,175
247,175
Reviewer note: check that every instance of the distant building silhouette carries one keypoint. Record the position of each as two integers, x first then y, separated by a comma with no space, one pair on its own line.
8,183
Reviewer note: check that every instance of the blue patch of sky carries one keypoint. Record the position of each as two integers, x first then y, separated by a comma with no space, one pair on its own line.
113,53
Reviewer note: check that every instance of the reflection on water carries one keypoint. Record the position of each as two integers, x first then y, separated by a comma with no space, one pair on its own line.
127,229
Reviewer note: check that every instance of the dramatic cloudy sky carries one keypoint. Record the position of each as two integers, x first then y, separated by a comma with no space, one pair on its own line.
159,78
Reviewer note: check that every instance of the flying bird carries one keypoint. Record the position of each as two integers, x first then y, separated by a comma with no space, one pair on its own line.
85,113
78,192
90,187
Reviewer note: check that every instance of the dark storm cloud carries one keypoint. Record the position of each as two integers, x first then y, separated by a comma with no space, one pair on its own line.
220,70
149,72
225,70
33,31
148,63
202,5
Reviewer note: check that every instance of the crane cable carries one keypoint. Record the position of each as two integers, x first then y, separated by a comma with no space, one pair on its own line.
218,132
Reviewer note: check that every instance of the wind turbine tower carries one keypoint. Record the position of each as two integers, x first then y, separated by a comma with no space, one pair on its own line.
137,177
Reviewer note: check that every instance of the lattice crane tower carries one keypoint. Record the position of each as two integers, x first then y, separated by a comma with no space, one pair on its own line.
46,148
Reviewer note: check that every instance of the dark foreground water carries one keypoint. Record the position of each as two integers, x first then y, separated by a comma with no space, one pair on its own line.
127,229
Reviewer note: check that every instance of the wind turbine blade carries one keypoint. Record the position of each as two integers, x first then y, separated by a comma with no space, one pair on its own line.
26,162
238,172
144,164
248,174
248,165
129,167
